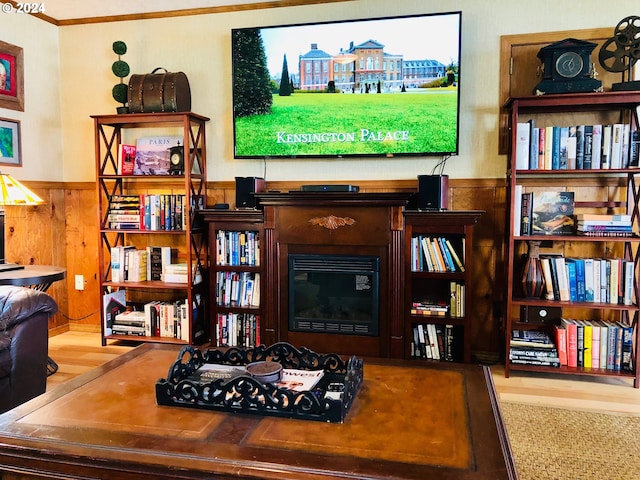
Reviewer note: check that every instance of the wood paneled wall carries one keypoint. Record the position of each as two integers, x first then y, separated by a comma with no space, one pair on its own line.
65,233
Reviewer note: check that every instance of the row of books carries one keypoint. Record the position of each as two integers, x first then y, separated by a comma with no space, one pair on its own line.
591,280
238,289
237,330
237,248
435,254
130,264
437,342
147,212
595,344
533,347
156,319
579,147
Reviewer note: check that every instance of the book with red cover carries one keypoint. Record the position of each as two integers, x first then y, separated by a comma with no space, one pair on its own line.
561,342
126,159
572,342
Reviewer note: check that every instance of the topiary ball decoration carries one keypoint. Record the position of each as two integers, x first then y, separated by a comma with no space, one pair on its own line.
120,69
120,92
119,47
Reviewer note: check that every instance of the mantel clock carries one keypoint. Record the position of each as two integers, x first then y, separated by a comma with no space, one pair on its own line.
566,68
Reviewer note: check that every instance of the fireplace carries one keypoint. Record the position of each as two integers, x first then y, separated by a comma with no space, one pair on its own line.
332,260
337,294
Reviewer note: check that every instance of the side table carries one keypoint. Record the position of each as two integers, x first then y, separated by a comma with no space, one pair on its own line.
38,277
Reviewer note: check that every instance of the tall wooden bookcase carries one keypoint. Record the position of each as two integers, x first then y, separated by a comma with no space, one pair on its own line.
188,245
604,191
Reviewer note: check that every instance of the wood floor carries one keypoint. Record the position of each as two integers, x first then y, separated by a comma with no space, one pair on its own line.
77,352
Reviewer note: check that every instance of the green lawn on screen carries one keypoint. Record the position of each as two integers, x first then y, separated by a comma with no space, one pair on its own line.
368,124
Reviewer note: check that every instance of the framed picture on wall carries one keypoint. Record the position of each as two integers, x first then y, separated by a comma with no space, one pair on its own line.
10,151
11,77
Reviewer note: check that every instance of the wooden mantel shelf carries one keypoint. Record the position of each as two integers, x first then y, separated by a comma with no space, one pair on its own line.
333,198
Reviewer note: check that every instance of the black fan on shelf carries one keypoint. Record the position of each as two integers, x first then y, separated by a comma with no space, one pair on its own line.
622,51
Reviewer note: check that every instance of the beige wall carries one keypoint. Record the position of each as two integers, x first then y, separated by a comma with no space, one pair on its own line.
41,122
68,78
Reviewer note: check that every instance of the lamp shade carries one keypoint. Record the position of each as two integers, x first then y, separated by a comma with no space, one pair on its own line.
12,192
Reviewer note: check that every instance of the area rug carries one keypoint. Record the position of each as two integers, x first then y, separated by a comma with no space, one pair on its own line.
561,444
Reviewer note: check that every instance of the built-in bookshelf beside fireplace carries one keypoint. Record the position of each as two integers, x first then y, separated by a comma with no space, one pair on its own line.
332,269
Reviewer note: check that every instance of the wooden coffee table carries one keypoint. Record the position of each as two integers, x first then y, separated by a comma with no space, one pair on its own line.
409,421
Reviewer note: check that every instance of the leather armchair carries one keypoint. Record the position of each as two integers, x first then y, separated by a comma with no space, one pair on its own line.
24,342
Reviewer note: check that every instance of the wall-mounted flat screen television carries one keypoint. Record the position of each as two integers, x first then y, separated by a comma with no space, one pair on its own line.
376,87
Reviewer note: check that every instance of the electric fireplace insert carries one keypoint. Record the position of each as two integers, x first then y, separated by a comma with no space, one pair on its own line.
334,294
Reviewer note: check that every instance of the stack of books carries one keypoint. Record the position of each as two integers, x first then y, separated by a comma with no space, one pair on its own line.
124,212
533,347
604,225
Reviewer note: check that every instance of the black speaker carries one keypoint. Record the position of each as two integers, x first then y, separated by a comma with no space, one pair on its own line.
433,192
245,188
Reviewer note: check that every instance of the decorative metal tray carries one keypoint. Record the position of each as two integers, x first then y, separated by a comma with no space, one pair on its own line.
328,401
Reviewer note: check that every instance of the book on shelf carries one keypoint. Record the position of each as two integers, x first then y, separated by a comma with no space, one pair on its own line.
531,338
159,256
572,148
580,147
587,349
534,136
526,213
596,148
152,154
552,213
113,303
572,341
523,144
542,145
517,210
617,133
126,159
588,147
595,343
541,362
634,149
560,332
604,218
626,352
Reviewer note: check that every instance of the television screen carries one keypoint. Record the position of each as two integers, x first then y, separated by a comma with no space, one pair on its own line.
376,87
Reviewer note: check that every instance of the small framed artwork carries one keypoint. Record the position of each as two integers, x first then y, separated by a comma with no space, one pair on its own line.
11,77
10,147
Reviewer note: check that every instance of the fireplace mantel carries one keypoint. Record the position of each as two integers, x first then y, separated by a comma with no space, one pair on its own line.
337,223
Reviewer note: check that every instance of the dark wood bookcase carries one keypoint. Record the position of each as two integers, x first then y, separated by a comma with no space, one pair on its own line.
603,191
239,222
426,285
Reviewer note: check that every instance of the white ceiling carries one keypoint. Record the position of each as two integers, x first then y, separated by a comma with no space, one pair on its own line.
77,9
